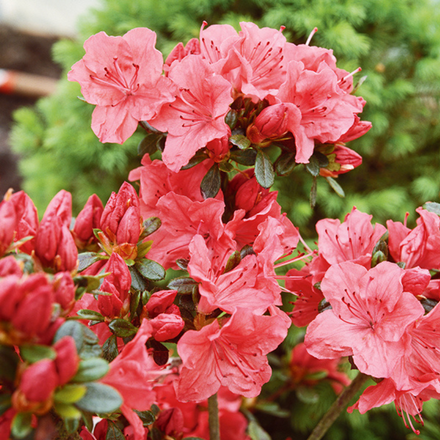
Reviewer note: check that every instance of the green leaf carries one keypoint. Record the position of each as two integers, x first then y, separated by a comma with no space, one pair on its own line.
110,348
335,186
183,284
313,190
134,303
100,398
272,408
285,163
70,393
432,207
322,159
150,269
182,263
226,167
199,157
211,183
21,424
137,281
256,432
71,425
91,369
90,314
67,411
122,328
87,343
34,353
5,403
246,250
86,259
147,417
313,166
240,140
149,143
244,157
142,249
264,170
233,261
231,118
150,225
89,282
307,395
113,432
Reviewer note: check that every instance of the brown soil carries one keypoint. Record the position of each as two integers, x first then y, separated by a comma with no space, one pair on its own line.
25,53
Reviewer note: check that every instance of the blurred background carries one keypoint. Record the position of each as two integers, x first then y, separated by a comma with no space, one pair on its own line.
46,143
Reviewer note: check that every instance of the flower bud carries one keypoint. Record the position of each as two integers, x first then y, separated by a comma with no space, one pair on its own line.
47,238
7,225
88,219
67,251
167,326
67,359
271,123
159,302
61,207
39,381
345,160
64,289
170,421
129,227
10,296
10,266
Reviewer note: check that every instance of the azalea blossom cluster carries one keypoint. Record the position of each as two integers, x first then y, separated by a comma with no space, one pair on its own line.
140,310
226,96
372,294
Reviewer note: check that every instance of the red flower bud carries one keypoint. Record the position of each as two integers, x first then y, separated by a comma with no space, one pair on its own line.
160,302
346,158
61,206
27,220
10,296
7,225
39,381
67,251
10,266
64,289
167,326
47,238
170,421
129,227
67,359
88,219
271,123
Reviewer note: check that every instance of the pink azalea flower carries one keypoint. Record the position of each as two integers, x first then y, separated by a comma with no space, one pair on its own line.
122,76
352,240
233,355
370,314
417,247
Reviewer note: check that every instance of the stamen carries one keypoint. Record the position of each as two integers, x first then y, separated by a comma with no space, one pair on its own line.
342,80
311,36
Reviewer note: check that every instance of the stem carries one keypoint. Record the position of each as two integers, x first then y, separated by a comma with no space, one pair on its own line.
338,406
214,425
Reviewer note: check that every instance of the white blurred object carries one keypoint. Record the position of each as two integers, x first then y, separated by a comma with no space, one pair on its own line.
47,17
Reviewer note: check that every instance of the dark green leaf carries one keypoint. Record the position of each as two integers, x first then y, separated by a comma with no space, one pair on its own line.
160,352
34,353
90,314
285,163
335,186
113,432
211,183
89,282
322,159
313,166
110,348
377,257
122,328
256,432
71,425
182,284
21,424
182,263
433,207
147,417
134,303
199,157
86,259
88,420
231,119
226,167
307,395
272,408
240,141
264,170
91,369
247,250
149,143
100,398
244,157
233,261
150,225
5,403
186,302
137,281
150,269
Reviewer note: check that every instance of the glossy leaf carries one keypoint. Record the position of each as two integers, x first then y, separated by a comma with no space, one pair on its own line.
244,157
150,269
34,353
100,398
264,170
91,369
211,183
122,328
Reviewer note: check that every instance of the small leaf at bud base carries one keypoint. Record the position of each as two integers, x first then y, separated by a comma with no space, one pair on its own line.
100,398
240,140
122,328
137,281
264,170
70,393
21,424
150,225
150,269
244,157
34,353
71,425
91,369
86,259
335,187
90,314
199,157
233,261
147,417
226,167
183,285
211,183
113,432
285,163
313,166
134,303
432,207
381,245
110,348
